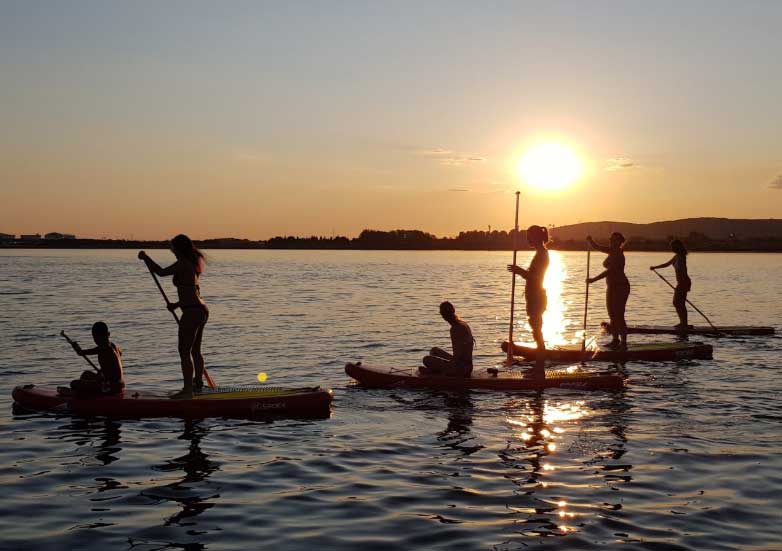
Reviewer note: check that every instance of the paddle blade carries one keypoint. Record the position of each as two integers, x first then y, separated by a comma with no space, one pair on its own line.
209,381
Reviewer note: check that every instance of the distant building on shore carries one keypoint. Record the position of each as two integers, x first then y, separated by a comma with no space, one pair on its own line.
30,237
7,237
53,236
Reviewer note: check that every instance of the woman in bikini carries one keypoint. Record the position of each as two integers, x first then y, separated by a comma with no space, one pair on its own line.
683,282
535,293
186,272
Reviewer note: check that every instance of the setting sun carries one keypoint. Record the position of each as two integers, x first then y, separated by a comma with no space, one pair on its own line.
550,166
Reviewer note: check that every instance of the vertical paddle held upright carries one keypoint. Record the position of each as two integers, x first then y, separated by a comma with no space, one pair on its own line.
89,361
586,302
209,381
513,282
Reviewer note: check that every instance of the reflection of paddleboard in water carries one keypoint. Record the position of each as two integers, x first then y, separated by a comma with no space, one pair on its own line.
391,377
716,331
649,351
236,401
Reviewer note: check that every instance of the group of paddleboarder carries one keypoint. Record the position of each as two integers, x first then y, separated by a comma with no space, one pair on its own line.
186,272
189,265
459,363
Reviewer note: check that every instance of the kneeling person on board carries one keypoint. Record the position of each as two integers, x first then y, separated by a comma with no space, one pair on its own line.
458,364
109,380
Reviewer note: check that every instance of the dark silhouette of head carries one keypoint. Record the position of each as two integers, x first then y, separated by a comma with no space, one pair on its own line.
537,236
183,248
100,332
448,312
678,247
617,241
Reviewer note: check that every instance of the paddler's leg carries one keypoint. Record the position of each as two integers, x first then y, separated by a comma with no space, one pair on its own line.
435,365
198,358
440,353
536,323
680,303
623,295
614,317
188,328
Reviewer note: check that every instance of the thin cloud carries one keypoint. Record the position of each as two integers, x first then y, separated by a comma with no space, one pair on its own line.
620,163
448,157
248,156
459,189
776,183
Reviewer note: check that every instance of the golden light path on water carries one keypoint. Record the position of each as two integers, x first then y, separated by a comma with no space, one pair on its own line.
555,322
541,424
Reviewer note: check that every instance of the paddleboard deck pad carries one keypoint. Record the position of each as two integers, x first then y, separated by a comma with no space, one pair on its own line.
234,401
716,331
648,351
510,380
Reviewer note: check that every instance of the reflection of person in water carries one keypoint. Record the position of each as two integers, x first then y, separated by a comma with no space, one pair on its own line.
197,468
457,433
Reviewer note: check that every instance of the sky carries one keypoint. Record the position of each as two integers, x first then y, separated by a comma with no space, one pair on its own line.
255,119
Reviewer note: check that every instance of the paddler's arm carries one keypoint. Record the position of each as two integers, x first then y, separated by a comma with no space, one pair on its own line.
81,352
512,268
597,277
597,246
155,268
665,265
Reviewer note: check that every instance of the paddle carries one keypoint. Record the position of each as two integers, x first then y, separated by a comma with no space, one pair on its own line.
586,302
509,360
209,381
89,361
688,302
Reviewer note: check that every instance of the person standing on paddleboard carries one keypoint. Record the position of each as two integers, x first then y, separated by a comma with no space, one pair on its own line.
534,292
617,287
186,272
458,364
683,282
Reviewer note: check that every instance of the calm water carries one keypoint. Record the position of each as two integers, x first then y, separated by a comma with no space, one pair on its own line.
688,457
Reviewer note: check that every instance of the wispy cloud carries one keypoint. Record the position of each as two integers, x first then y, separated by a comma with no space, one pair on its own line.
458,189
620,163
448,157
776,183
250,156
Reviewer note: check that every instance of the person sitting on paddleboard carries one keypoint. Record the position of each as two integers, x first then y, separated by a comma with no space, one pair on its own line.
683,282
458,364
534,292
617,287
110,378
186,272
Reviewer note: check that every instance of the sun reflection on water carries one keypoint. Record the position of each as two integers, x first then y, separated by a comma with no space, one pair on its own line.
555,322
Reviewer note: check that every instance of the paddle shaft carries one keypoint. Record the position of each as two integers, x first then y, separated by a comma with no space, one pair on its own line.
209,381
688,302
586,302
513,281
89,361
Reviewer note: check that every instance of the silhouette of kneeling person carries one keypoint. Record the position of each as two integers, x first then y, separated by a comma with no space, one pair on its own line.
458,364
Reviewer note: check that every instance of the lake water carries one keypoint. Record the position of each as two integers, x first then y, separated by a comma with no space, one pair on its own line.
687,457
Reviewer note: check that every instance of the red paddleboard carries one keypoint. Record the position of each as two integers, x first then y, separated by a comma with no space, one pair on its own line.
237,401
510,380
716,331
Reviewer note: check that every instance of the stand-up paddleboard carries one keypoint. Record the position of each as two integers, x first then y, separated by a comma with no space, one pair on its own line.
716,331
508,380
235,401
647,351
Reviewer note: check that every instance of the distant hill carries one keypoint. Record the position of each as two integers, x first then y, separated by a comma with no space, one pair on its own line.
713,228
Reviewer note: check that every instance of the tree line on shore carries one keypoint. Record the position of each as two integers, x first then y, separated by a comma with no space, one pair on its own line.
475,240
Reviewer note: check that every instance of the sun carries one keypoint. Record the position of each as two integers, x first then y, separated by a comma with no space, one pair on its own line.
550,166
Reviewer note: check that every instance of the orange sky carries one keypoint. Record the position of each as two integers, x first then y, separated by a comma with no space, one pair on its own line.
124,120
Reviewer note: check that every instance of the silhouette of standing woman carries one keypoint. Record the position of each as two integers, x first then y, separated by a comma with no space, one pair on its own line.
186,272
683,282
535,293
617,287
